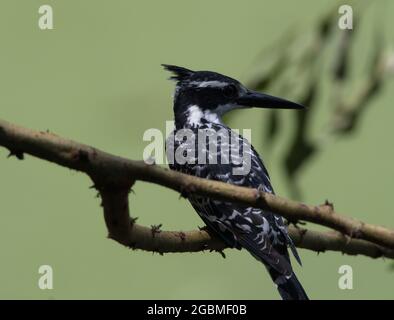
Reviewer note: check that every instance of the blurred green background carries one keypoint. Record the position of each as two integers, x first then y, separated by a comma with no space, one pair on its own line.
96,78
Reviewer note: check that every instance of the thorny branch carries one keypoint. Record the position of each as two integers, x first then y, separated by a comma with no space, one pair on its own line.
114,176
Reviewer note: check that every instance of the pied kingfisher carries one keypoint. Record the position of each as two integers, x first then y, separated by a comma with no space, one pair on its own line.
201,98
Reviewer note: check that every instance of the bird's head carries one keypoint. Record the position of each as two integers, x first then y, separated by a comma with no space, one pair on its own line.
208,95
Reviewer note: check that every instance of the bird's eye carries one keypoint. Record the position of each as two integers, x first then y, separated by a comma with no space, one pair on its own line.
230,91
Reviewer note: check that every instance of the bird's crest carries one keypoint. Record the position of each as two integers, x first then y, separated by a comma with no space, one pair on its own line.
180,73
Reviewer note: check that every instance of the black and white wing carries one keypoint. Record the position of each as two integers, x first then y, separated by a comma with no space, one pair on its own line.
261,232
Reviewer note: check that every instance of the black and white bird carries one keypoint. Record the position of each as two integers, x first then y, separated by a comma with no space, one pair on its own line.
201,98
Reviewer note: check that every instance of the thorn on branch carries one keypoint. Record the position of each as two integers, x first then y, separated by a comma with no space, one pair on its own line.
329,204
155,229
133,220
302,233
221,252
259,189
157,251
204,228
16,153
132,245
93,186
182,235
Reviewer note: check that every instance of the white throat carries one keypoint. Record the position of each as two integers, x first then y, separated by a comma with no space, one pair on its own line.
195,114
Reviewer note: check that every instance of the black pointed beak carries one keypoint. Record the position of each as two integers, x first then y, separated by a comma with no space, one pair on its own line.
261,100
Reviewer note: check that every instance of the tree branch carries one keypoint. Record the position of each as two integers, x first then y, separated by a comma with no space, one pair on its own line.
114,176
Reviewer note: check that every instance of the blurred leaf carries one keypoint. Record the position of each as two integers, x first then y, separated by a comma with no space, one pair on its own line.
262,82
341,63
297,69
273,126
347,115
301,149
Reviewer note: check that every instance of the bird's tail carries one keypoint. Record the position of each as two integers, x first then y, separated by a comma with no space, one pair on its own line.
289,287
